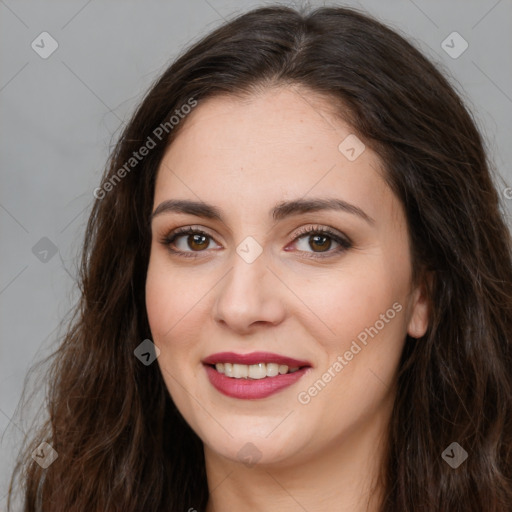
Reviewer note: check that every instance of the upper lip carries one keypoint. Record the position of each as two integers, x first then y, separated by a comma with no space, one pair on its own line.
254,358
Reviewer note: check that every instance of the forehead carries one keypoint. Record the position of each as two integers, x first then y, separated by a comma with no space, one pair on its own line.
281,144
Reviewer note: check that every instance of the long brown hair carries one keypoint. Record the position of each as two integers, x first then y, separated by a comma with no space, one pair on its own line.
121,443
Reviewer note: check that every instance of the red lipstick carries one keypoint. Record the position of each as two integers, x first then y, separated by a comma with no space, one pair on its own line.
247,388
254,358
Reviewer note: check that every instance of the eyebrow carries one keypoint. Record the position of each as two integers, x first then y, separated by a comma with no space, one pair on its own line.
279,212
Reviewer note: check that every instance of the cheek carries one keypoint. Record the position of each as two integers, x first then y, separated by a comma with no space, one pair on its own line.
169,313
361,337
165,300
176,302
159,302
341,305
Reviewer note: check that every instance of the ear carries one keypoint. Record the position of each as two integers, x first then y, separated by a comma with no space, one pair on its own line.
420,310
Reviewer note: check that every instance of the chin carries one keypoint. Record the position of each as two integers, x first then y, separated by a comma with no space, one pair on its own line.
265,443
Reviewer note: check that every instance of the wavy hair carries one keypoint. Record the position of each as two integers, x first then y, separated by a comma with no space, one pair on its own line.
122,444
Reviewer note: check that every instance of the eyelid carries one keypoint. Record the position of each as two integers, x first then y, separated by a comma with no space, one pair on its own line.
317,228
169,238
344,242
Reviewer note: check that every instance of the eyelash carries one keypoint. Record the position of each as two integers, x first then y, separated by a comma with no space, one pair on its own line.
343,242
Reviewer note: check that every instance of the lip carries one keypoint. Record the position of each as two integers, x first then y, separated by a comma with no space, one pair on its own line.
254,358
252,389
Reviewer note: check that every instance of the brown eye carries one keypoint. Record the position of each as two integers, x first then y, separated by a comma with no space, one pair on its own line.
197,242
188,241
320,242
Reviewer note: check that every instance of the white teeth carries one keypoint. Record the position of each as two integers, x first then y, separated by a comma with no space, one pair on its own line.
228,369
258,371
240,371
253,371
283,369
272,369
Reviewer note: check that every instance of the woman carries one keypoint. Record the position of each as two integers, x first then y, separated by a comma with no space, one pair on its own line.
296,290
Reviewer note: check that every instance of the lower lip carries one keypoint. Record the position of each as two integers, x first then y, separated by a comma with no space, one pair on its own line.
250,389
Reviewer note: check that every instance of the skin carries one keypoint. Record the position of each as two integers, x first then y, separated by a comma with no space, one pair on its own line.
244,157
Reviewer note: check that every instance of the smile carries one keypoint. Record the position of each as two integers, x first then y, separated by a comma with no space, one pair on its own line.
253,371
253,376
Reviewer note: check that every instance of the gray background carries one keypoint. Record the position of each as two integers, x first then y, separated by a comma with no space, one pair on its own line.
60,116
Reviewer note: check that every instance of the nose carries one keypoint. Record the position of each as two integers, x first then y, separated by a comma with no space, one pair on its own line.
248,296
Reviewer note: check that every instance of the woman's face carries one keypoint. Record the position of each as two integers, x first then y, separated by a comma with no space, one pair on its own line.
302,261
